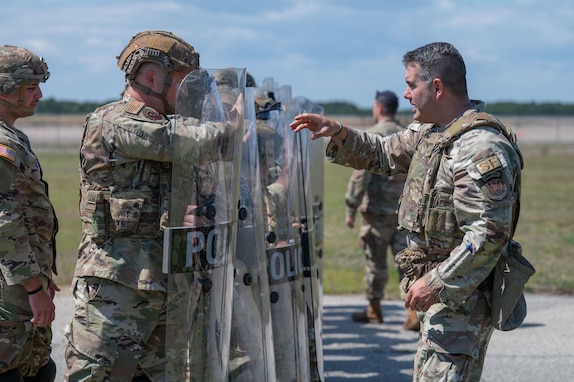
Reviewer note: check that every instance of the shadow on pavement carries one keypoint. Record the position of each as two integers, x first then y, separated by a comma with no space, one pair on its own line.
367,352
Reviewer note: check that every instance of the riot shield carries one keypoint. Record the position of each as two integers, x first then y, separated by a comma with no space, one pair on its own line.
251,347
277,148
200,237
311,162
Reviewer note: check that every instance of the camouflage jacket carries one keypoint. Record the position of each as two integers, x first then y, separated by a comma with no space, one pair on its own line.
467,222
126,159
371,193
28,224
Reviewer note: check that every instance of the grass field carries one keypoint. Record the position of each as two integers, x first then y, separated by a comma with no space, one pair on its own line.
546,228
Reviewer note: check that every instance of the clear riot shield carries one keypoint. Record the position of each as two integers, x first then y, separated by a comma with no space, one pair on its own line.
277,149
311,164
251,351
200,237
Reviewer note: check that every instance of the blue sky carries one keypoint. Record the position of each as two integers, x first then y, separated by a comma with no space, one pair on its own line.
327,50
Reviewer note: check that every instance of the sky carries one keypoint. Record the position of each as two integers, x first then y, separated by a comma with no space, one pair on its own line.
326,50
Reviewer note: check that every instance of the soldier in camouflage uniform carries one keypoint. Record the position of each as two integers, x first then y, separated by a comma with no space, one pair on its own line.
376,197
28,228
119,326
459,228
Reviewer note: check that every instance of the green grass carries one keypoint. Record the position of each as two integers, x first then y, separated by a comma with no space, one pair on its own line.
545,230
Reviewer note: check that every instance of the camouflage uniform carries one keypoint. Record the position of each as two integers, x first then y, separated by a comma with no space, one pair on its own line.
460,236
28,227
376,197
119,288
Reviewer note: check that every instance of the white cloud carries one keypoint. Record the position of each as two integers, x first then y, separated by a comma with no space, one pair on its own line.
326,49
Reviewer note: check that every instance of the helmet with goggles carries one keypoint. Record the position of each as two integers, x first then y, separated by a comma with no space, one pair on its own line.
19,66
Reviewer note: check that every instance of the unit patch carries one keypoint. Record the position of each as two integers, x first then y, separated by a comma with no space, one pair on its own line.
496,189
8,153
153,115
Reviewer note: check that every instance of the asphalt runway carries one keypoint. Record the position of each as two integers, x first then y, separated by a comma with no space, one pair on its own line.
540,350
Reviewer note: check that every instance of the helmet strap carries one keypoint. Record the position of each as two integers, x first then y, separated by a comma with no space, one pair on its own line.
162,96
20,106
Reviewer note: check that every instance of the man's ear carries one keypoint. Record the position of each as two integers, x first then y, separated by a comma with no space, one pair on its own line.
438,87
150,77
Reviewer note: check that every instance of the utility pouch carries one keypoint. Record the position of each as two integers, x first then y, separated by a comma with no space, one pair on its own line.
94,215
510,274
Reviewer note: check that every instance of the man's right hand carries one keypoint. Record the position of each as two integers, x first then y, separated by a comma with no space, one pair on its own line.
350,220
43,308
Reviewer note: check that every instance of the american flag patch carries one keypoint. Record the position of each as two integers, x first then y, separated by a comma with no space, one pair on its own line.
8,153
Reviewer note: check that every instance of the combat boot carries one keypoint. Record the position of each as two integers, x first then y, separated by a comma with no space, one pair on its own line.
412,322
372,314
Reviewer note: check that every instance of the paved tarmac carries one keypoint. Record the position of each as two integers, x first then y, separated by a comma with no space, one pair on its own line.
542,349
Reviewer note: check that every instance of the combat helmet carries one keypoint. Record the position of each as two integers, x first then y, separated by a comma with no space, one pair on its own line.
169,51
20,66
165,49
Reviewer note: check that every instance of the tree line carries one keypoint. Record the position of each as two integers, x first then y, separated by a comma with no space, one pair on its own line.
52,106
497,108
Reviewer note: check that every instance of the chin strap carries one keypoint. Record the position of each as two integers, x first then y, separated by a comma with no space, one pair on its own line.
162,96
20,106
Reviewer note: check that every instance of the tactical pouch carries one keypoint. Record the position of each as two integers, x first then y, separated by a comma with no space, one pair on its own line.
512,271
126,214
440,222
94,216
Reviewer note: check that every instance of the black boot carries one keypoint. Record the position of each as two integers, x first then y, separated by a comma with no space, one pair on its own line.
46,373
11,376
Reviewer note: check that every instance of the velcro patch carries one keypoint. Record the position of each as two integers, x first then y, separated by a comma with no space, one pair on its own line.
488,164
153,115
8,153
496,189
134,107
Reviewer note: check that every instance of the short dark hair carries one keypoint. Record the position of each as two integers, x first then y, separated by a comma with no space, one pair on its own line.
388,100
440,60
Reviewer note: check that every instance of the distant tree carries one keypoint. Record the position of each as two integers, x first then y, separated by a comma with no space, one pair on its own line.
52,106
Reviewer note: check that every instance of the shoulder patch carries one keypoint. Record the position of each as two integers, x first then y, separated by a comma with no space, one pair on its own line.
496,189
153,115
489,164
8,153
134,107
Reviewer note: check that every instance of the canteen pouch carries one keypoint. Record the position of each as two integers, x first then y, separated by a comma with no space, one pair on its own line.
510,274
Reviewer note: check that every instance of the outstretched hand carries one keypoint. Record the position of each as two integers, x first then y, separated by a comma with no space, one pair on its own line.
318,124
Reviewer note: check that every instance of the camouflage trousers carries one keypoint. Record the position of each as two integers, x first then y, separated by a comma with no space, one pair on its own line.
117,332
452,344
377,234
23,346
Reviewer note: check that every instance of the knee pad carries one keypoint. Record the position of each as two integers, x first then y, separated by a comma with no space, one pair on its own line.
11,376
46,373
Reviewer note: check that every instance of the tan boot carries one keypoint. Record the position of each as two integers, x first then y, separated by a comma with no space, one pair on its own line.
412,322
372,314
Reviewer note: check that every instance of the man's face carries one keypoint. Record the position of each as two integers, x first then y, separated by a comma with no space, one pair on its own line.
172,91
420,95
30,95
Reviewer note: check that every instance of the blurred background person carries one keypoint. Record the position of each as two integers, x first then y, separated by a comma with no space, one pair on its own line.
376,198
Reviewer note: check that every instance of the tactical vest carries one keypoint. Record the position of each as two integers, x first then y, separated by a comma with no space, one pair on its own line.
119,196
426,210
